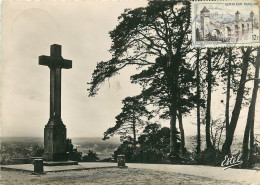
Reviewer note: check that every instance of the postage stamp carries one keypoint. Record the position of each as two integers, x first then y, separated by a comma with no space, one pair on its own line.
225,23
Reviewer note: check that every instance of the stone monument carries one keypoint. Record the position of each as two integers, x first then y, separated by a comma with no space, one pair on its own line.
55,130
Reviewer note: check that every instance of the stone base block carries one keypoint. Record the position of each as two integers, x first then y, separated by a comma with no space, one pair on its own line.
55,141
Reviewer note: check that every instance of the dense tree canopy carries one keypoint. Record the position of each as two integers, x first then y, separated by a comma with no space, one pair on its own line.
157,40
160,31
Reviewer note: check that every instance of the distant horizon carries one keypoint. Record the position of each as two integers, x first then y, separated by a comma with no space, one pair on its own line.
116,137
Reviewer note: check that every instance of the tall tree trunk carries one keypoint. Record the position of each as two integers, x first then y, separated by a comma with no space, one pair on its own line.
208,117
220,135
173,139
252,138
198,101
134,132
182,132
237,108
174,75
228,89
245,141
249,130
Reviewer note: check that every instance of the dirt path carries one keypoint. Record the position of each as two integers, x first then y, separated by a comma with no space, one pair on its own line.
106,176
238,175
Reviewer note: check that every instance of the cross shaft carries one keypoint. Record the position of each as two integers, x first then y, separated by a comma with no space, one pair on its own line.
55,62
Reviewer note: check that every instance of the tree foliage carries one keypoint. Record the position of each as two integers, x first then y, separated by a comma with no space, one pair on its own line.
90,157
153,146
133,116
156,37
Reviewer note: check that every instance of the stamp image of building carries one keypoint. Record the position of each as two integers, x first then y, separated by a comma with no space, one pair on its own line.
232,28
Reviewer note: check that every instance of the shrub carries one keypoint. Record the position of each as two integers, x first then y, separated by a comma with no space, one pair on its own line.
149,155
8,152
256,155
5,159
90,157
126,149
37,151
153,146
211,157
73,154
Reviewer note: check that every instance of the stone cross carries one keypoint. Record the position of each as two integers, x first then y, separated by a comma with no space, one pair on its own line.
55,130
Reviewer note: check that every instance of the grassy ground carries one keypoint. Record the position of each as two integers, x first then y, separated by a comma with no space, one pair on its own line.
105,176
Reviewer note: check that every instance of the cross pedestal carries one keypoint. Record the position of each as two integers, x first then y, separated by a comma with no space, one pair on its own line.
55,130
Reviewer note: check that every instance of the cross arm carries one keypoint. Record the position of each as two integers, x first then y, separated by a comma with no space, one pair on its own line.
67,64
44,60
53,63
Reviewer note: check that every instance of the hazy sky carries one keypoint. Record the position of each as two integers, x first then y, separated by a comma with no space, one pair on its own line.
28,30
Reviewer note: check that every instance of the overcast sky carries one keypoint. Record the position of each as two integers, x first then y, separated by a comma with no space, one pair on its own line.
28,30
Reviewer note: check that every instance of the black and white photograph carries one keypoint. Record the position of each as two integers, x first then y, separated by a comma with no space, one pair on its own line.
129,92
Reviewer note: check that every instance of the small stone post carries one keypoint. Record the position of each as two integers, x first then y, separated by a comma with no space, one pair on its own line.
121,160
38,166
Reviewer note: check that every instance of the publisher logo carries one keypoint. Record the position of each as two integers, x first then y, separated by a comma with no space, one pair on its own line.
234,160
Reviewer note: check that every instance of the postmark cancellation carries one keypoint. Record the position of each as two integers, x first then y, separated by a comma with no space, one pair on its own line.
225,23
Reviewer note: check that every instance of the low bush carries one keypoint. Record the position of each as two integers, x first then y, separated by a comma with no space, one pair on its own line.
90,157
211,157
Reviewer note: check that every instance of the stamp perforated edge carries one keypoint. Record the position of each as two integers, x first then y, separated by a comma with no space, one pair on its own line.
216,45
